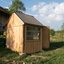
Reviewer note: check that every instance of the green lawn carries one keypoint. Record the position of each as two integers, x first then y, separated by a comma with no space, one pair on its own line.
54,55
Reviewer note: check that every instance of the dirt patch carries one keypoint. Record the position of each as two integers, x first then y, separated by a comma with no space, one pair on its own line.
34,56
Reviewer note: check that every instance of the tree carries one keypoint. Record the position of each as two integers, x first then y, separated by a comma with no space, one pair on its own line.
52,32
62,31
16,6
62,27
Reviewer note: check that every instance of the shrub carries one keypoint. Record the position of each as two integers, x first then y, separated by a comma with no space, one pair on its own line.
52,32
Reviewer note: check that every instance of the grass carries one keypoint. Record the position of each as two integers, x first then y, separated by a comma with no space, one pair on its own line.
54,55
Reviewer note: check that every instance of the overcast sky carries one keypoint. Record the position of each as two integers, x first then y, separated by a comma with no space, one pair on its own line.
48,12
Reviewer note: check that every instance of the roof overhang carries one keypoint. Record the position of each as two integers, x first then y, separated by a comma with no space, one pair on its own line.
4,11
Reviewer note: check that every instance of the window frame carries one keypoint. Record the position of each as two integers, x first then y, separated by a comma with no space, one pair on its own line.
34,31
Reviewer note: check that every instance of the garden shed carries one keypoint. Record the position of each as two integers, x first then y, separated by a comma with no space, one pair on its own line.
4,16
25,34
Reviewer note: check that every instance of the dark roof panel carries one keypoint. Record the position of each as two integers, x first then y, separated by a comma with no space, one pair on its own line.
28,19
3,10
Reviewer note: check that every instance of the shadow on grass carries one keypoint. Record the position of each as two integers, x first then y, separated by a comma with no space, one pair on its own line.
4,52
2,42
55,45
6,55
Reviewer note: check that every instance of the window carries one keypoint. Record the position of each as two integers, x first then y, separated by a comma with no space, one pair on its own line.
33,33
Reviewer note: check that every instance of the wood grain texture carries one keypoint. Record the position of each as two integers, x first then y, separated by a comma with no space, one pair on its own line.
32,46
15,34
16,37
45,37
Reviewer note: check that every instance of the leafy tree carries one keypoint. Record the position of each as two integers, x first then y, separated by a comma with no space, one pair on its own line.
62,26
16,6
52,32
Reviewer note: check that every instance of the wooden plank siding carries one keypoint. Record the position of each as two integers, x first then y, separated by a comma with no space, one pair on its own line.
31,46
16,38
3,21
45,37
15,34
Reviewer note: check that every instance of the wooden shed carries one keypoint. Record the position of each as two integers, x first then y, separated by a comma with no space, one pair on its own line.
24,33
4,16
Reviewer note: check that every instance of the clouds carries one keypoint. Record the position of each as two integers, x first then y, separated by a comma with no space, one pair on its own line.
49,12
36,7
59,8
7,7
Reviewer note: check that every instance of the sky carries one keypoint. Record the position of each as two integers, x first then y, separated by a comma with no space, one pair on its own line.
48,12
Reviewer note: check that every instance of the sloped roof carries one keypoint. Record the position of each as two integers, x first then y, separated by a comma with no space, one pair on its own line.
3,10
28,19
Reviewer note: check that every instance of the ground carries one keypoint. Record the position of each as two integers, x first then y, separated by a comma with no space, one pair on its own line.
54,55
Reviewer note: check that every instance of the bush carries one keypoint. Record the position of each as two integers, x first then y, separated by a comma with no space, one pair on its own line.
4,34
52,32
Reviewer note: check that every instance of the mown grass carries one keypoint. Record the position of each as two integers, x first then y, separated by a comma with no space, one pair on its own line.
54,55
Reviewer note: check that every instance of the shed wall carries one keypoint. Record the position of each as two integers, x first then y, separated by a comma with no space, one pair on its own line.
45,37
15,34
32,46
3,20
16,37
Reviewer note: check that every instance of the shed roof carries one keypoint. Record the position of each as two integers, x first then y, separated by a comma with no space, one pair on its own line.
28,19
3,10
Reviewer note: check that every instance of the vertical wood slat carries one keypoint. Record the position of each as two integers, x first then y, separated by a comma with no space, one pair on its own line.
15,34
45,37
17,43
38,43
